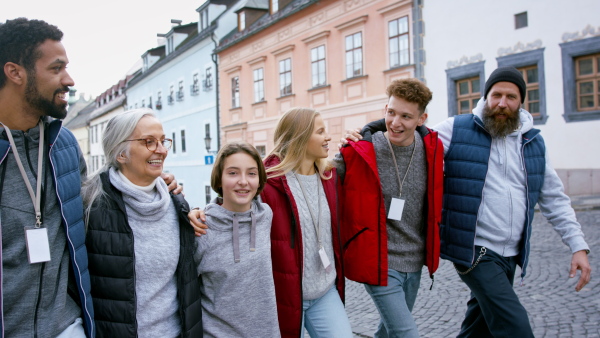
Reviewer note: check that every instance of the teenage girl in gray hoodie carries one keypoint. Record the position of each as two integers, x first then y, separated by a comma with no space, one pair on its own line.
234,258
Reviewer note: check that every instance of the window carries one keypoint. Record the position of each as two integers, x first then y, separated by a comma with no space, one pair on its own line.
143,103
317,59
580,79
587,78
531,65
180,91
171,97
170,44
207,84
285,77
195,87
174,145
261,150
183,150
159,100
241,21
354,55
274,6
207,190
203,19
468,92
521,20
235,92
398,42
463,74
259,85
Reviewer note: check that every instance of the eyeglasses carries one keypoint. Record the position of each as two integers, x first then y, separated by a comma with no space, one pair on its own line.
152,143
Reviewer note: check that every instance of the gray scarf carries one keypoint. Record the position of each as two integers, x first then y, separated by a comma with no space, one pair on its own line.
140,204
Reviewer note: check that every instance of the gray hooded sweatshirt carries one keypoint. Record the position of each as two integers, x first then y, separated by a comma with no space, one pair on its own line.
502,212
234,264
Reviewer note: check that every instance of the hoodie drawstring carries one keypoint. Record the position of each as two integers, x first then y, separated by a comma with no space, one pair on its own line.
236,236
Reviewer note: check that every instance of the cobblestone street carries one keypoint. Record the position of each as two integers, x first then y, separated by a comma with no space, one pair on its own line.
554,308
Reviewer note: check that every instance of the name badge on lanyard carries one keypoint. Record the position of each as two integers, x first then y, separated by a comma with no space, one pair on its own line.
396,209
38,245
36,237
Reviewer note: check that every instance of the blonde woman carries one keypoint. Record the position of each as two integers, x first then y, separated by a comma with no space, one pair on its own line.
305,246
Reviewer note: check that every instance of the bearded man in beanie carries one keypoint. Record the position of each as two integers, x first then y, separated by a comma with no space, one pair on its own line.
495,171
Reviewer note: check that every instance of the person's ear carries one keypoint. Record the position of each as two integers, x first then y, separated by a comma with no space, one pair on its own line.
422,119
15,73
122,158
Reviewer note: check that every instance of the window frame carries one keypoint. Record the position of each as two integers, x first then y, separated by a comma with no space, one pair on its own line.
525,59
285,77
352,51
399,36
318,62
235,92
470,96
460,73
570,50
594,78
259,83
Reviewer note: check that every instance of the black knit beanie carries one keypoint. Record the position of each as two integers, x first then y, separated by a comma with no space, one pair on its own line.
508,74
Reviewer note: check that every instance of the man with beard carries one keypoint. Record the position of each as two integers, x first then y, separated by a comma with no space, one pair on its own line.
496,170
44,281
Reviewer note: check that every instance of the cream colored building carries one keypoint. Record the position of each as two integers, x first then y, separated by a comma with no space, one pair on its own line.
333,56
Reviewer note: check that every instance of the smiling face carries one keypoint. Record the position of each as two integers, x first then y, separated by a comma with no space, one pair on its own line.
318,144
48,83
401,120
142,166
239,182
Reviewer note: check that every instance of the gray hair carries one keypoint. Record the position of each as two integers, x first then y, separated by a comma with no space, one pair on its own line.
118,129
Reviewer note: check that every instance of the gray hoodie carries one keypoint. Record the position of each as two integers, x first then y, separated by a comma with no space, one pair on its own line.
502,212
238,291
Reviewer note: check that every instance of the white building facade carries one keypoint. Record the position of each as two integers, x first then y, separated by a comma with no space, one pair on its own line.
178,81
556,46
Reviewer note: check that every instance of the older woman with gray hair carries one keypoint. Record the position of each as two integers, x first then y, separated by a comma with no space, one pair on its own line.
140,244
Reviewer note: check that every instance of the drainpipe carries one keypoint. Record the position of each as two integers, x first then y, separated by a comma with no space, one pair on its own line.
215,61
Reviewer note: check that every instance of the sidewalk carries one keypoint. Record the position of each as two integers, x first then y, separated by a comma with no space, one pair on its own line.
554,308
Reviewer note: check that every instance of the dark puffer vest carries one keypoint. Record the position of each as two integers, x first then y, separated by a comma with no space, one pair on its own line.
465,168
112,268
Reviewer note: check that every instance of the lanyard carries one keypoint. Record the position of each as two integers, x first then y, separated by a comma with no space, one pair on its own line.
35,198
317,222
396,163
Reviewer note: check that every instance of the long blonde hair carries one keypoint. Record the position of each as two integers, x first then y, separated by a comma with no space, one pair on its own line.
292,133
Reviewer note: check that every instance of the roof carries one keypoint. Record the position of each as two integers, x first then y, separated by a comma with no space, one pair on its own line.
81,119
263,23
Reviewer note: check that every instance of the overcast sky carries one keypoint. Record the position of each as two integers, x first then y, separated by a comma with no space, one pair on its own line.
104,39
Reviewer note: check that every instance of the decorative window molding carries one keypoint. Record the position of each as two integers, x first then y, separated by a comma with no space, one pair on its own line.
459,73
530,58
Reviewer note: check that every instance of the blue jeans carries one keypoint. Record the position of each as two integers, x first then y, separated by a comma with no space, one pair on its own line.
326,316
395,303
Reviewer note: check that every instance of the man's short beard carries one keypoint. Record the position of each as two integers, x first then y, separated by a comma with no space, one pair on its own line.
36,101
498,127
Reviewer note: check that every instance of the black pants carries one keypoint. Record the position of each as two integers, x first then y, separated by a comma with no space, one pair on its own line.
494,309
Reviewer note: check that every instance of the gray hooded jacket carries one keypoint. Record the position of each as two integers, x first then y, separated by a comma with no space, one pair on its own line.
234,264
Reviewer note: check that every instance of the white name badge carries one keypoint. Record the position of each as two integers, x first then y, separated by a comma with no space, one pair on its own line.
38,245
396,208
325,260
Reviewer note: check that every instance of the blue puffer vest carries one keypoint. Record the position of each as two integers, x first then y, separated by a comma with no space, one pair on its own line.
465,168
64,160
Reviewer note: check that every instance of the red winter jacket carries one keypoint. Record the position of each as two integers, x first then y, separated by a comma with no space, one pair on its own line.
362,210
286,248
